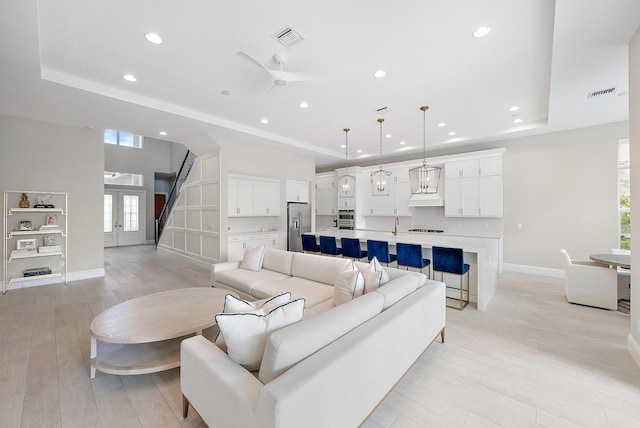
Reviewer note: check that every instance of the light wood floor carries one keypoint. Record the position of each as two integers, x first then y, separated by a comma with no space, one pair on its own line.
530,360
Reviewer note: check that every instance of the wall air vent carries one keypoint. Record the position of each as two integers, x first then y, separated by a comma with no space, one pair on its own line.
288,36
601,92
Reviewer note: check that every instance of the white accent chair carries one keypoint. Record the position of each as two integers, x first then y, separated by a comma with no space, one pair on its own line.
590,283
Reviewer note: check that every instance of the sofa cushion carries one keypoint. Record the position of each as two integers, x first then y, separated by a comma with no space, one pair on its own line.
278,260
245,280
313,292
397,289
348,286
319,268
233,304
374,276
288,346
246,334
252,259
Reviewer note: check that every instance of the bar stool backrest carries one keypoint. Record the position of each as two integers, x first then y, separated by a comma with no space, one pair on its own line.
328,245
309,243
409,255
448,260
351,248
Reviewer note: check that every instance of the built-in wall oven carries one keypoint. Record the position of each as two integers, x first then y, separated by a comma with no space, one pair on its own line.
346,219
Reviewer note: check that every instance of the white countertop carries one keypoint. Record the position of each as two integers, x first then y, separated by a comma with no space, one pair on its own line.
256,234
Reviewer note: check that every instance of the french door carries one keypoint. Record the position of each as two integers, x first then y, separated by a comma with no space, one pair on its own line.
124,217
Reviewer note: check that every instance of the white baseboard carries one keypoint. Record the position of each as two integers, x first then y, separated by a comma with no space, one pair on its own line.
533,270
634,349
149,241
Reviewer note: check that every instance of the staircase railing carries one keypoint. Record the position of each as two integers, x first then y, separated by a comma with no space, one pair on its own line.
175,192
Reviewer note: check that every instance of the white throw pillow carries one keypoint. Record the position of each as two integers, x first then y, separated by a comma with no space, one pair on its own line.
374,276
233,304
246,334
349,285
252,259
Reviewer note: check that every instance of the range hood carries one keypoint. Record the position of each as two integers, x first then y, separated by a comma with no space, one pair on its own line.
426,200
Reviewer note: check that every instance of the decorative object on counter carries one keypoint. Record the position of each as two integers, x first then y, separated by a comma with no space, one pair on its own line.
380,179
424,179
346,182
25,225
24,201
42,201
26,244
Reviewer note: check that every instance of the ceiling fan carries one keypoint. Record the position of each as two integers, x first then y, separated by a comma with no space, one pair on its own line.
282,78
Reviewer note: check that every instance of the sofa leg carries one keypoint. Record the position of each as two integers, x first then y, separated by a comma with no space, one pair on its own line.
185,407
442,335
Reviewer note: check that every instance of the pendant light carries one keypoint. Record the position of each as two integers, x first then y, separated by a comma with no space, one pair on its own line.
380,179
346,182
424,179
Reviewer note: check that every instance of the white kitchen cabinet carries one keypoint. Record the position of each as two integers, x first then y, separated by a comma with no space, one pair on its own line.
327,195
253,197
237,244
474,191
297,191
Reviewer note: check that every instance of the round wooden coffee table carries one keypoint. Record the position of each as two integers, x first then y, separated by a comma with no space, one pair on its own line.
143,335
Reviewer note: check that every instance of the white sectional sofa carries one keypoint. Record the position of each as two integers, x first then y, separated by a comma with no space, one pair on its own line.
329,370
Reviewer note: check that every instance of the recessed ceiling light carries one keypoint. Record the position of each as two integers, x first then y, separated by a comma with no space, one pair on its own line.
304,105
265,121
481,31
153,38
441,124
452,133
387,136
380,73
514,108
359,151
343,146
129,77
402,143
163,133
517,120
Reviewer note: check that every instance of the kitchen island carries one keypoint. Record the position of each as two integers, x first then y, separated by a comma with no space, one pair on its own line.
482,253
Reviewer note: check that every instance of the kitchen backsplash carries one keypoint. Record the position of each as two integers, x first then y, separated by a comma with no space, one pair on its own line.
256,224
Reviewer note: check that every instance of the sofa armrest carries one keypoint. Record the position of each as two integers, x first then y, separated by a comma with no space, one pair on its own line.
223,392
219,267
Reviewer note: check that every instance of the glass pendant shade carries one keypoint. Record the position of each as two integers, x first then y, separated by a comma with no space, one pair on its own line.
424,179
380,179
346,182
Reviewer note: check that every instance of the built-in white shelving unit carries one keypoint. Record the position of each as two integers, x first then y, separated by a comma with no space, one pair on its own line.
22,226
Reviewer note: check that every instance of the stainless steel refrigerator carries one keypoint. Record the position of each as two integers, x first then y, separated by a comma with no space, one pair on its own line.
299,222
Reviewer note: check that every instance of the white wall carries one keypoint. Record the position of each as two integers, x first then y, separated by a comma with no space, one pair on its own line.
41,156
634,115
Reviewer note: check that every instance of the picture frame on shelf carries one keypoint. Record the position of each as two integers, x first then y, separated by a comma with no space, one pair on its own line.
49,240
51,220
26,244
25,225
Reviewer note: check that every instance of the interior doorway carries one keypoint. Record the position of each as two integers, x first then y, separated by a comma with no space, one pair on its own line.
124,217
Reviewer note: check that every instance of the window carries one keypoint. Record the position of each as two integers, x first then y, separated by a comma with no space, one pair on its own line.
130,213
120,138
108,213
122,179
624,193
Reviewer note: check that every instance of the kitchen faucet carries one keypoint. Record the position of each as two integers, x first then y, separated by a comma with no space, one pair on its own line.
396,223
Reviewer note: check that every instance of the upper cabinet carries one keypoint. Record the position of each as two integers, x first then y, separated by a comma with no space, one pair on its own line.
473,188
298,191
253,196
327,194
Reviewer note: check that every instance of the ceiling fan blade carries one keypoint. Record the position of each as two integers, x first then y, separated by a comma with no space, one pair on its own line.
303,76
253,61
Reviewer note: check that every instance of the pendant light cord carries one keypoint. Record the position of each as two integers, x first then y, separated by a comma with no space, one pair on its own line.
346,151
424,134
380,121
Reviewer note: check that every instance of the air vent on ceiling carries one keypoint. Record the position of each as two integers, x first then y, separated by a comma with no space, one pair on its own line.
601,92
288,36
383,110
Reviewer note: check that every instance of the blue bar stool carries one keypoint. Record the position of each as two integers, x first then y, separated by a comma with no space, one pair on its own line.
351,248
380,250
410,255
309,244
328,246
450,260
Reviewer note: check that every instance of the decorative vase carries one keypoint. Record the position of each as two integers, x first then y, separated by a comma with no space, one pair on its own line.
24,201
